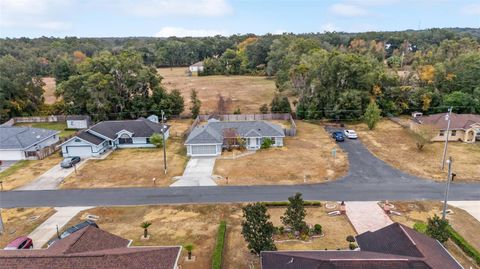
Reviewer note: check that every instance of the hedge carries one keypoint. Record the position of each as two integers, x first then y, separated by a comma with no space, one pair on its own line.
218,251
286,203
464,245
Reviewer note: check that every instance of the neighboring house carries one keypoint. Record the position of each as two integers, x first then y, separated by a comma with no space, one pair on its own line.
21,143
91,248
395,246
196,67
209,139
78,122
111,135
463,127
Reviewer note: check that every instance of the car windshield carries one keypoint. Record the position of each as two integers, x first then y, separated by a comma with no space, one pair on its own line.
67,160
351,131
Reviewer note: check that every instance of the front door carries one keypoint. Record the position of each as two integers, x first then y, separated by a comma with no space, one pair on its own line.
253,143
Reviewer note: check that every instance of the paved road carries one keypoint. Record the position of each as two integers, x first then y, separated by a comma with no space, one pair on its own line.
369,179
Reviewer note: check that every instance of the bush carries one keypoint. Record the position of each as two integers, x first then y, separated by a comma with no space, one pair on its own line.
281,229
317,229
285,203
218,251
266,143
350,238
420,227
352,246
437,228
464,245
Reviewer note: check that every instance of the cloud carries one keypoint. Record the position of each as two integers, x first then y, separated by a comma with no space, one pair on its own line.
152,8
348,10
183,32
328,27
472,9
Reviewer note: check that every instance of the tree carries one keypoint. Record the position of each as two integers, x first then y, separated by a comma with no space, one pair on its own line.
372,115
257,229
157,140
189,248
264,109
294,216
280,105
145,226
437,228
237,111
195,104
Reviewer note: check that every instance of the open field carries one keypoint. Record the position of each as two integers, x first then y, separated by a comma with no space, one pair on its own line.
58,126
396,146
307,155
131,168
24,172
246,92
49,90
22,221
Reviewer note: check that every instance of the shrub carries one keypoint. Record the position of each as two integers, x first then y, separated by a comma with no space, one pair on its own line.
350,238
281,229
317,229
266,143
304,237
218,251
464,245
286,203
438,228
420,227
352,246
372,115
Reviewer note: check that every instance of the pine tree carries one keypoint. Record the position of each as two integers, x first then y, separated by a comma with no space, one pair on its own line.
257,229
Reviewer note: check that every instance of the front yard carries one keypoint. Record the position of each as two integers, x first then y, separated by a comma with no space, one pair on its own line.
305,158
396,146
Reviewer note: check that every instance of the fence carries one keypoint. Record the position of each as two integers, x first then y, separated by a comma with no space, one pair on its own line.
47,151
53,118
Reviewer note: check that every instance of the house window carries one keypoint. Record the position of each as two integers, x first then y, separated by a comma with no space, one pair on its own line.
148,140
273,140
77,140
442,133
454,132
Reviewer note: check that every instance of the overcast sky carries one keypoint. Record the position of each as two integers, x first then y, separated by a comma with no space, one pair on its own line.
107,18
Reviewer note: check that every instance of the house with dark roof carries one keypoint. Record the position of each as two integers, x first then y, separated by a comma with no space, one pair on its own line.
107,135
463,127
211,138
395,246
91,248
22,143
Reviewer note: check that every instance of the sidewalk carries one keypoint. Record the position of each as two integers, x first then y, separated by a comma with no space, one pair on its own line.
472,207
367,216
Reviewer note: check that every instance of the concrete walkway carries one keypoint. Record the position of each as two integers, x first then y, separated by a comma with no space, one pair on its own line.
367,216
197,173
48,229
472,207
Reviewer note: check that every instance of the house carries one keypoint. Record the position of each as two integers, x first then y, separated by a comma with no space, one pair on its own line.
22,143
463,127
211,138
394,246
77,122
107,135
91,248
196,67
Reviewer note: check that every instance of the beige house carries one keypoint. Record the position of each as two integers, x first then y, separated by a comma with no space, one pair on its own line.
463,127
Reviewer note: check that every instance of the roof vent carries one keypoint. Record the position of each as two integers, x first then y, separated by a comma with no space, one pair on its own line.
38,136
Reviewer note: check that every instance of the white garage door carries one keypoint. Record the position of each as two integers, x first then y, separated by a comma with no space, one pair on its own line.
11,155
83,151
204,150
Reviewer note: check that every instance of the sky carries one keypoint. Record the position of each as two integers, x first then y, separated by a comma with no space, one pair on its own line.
163,18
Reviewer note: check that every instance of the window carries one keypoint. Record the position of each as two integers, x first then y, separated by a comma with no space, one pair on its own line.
273,140
442,133
125,139
77,140
148,140
454,132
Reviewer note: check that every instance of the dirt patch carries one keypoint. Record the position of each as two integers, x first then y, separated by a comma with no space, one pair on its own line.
427,163
305,158
49,90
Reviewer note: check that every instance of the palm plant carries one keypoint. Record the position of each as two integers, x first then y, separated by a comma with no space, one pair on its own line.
145,226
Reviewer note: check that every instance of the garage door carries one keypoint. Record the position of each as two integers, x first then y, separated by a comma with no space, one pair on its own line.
83,151
11,155
204,150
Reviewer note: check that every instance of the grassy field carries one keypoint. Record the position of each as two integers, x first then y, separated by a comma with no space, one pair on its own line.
309,154
405,156
49,90
131,168
246,92
22,221
58,126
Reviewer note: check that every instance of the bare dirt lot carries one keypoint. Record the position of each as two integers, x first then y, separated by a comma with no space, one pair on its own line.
49,90
307,155
396,146
246,92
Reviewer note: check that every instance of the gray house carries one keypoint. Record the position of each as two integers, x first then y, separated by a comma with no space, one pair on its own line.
111,135
78,121
21,143
209,139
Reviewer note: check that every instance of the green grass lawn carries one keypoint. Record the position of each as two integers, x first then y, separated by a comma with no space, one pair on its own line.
59,126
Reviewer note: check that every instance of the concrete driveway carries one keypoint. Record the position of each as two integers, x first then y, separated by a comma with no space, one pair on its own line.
197,173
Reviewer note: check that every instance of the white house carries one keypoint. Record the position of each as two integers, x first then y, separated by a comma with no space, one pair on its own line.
111,135
22,143
196,67
77,122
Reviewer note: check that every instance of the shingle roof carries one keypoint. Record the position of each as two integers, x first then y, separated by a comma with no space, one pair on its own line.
457,121
91,248
23,137
212,132
78,117
140,127
90,138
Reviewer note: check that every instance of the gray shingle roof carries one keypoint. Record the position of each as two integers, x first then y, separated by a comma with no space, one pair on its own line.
212,132
23,137
90,138
140,128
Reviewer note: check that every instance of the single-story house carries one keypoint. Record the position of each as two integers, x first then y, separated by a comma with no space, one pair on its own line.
196,67
463,127
111,135
395,246
22,143
78,122
92,248
211,138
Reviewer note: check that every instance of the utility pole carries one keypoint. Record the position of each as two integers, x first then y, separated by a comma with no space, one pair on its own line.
448,117
164,144
447,188
2,228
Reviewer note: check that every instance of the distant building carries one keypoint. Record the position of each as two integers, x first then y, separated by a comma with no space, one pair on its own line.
196,67
22,143
78,122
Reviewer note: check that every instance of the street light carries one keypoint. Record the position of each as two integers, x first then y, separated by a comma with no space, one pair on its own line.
448,117
447,188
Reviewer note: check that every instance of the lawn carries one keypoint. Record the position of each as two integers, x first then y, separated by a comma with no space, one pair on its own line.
58,126
246,92
405,156
307,155
23,172
131,168
178,127
22,221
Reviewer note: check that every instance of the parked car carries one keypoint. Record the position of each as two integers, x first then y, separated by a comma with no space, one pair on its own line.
338,136
350,134
21,242
69,162
72,230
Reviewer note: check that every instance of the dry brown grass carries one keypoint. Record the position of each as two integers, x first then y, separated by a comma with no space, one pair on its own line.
396,146
131,168
178,127
307,154
25,172
246,92
49,90
18,222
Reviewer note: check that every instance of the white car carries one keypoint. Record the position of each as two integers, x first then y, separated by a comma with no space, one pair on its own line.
350,134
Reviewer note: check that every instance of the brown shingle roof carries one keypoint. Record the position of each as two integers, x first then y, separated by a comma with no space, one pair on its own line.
458,121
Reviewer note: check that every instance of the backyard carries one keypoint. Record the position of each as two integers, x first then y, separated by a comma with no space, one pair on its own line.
58,126
426,163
